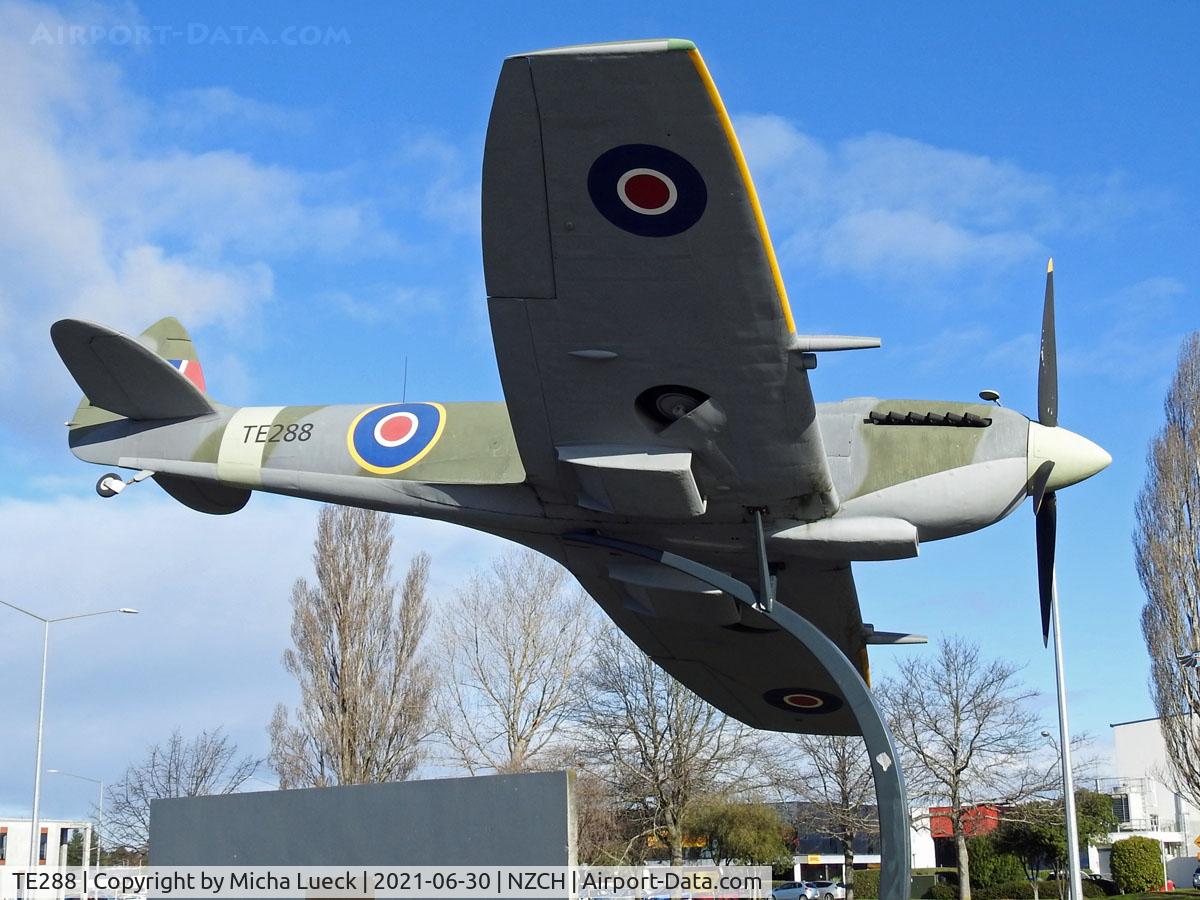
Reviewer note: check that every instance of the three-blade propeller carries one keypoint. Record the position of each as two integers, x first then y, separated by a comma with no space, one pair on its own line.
1045,505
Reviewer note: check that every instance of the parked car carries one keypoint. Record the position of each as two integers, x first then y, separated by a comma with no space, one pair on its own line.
1196,878
827,890
793,890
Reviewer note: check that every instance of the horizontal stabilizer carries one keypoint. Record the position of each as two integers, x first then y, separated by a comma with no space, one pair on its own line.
119,374
891,637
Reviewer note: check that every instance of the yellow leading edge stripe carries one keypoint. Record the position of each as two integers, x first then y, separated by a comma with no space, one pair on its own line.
763,233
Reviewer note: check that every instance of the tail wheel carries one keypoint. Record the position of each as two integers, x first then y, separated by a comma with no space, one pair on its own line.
110,484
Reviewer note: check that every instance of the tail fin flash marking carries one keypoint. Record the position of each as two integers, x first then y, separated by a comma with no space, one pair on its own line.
191,371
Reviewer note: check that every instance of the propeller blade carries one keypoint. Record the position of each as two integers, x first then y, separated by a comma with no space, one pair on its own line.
1046,525
1048,363
1037,484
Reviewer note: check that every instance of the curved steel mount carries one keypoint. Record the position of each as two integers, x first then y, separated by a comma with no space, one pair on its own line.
895,876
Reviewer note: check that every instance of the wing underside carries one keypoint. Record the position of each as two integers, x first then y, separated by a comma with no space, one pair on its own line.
635,299
734,658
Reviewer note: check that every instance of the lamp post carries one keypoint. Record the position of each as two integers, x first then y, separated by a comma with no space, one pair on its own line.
1064,749
34,833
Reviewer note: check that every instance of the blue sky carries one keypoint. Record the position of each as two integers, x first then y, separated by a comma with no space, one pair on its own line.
307,202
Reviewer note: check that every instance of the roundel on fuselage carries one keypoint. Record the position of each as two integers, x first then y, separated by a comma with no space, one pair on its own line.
391,437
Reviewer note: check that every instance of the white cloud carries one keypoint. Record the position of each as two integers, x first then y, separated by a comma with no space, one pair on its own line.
884,205
198,109
94,224
451,197
225,203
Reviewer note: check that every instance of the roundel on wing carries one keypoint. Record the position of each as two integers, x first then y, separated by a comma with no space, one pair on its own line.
646,190
389,438
803,700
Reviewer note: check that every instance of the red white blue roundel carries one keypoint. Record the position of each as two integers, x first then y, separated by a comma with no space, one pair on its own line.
803,700
647,190
386,439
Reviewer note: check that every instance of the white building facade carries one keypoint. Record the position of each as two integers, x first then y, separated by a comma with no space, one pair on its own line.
831,866
52,845
1145,803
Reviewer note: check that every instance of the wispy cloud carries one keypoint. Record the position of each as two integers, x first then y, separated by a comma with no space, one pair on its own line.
198,109
451,196
1130,335
1138,341
373,306
225,203
102,216
884,205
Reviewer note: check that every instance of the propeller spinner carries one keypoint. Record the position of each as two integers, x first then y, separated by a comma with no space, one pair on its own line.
1057,457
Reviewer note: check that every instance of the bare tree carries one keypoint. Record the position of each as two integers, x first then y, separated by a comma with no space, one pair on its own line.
658,745
836,789
512,646
1167,546
598,827
203,766
364,687
967,732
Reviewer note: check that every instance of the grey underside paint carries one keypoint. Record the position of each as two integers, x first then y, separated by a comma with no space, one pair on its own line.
733,664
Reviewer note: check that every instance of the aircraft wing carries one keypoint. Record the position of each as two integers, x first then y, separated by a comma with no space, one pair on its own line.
736,659
631,279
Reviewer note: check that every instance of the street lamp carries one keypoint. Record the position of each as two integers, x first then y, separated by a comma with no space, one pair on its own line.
1064,749
99,806
34,833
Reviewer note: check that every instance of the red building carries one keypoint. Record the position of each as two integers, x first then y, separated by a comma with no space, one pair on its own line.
977,820
981,819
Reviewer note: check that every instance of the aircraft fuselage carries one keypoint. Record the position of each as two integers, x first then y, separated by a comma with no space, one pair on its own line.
903,471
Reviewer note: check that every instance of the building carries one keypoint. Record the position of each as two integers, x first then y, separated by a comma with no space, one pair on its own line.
52,850
818,857
1145,803
983,818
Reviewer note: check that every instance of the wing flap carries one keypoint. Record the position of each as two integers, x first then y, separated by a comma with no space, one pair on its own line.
630,481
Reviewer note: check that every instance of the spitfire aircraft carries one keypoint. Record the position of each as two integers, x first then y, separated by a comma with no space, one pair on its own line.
656,384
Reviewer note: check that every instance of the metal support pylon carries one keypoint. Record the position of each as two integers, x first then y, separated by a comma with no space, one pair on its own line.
895,874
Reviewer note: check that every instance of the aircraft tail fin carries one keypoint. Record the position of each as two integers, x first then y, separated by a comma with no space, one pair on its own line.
155,376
